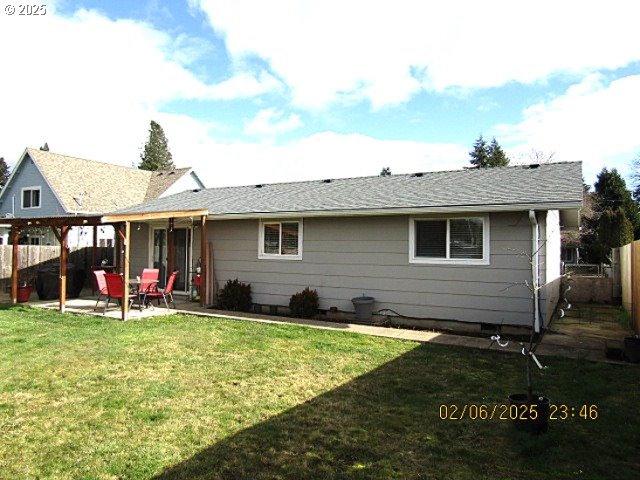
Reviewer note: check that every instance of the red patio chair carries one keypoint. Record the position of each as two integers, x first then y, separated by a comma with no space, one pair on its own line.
164,292
115,289
148,284
101,285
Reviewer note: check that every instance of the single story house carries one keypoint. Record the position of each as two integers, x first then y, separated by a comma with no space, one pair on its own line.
471,245
47,184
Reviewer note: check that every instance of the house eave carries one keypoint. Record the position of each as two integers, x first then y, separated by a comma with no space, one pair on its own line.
562,206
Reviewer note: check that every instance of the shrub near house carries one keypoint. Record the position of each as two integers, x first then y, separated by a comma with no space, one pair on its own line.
304,304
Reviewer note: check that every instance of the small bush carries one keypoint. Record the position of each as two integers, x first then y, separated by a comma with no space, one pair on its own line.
236,296
304,304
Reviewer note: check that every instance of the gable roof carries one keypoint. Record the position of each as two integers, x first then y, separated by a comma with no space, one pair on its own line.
550,186
161,180
89,186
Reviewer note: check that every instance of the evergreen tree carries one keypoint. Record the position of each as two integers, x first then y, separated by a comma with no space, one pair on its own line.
156,155
614,230
487,156
480,153
497,157
4,173
45,147
611,194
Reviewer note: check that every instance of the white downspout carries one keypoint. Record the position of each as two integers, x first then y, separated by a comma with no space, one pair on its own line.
534,267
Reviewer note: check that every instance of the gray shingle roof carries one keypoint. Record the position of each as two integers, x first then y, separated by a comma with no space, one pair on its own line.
552,184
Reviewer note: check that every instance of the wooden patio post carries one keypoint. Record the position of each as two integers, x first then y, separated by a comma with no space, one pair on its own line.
125,273
171,251
15,236
64,256
94,250
118,247
203,261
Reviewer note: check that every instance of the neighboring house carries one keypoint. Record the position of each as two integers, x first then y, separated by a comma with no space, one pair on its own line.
460,245
45,184
571,244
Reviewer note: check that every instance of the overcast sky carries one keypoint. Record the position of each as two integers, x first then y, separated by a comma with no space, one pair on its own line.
262,91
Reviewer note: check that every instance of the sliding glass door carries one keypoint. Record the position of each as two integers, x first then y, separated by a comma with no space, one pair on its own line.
182,255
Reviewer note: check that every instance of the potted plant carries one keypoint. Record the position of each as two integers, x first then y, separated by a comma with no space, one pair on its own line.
24,291
632,349
529,410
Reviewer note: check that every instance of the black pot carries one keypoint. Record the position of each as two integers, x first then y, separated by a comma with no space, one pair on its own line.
632,349
48,282
521,412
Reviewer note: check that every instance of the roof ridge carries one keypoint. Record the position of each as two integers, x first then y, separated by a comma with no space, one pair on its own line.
47,152
398,175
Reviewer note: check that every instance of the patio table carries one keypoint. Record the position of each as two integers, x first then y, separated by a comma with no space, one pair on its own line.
134,285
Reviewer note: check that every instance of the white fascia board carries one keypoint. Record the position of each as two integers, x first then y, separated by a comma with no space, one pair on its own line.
399,211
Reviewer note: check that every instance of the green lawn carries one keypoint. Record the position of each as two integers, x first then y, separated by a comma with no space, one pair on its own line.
188,397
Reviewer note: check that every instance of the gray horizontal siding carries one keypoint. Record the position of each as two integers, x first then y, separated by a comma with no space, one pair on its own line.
139,251
416,272
29,176
346,257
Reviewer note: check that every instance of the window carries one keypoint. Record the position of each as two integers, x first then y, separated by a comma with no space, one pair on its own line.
281,240
31,197
449,240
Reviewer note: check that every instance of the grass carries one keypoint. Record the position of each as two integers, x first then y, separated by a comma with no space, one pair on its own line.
189,397
624,318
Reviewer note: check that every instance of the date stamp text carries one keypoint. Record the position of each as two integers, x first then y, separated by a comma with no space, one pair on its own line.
472,411
27,10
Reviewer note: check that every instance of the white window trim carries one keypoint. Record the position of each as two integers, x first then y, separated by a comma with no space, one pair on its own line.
450,261
22,197
278,256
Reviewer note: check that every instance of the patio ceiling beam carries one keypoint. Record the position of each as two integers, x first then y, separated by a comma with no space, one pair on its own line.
137,217
55,232
55,222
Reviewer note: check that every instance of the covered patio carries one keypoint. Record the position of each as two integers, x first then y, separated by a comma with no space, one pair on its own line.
122,225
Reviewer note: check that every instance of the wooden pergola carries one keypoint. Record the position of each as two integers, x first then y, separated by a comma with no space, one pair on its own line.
122,224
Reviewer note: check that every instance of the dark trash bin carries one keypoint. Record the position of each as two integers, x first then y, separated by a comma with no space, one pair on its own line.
48,282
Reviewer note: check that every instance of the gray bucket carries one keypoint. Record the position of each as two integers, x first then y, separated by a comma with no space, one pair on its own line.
364,307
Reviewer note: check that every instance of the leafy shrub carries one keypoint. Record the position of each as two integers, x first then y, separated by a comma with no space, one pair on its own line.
304,304
236,296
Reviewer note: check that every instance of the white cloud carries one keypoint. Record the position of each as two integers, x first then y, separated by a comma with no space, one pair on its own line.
593,121
269,121
89,85
244,85
386,51
321,155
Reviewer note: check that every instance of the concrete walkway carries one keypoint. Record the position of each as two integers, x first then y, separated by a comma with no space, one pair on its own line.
583,333
586,331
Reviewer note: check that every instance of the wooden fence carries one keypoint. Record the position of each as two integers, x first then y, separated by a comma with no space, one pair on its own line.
34,257
630,281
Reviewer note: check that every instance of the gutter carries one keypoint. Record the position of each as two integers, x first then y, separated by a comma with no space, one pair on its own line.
451,209
535,261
